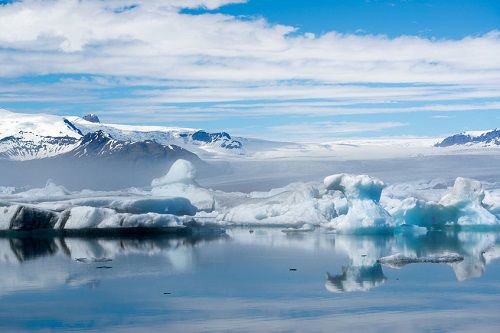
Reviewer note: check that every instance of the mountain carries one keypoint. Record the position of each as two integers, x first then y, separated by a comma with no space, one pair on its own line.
103,146
35,136
27,136
198,141
486,138
91,117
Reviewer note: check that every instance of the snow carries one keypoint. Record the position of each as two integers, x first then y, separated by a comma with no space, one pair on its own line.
39,124
165,135
35,130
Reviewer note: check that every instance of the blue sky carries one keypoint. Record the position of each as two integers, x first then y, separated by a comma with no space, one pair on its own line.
300,70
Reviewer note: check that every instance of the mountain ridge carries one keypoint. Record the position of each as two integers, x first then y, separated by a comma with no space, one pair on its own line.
36,136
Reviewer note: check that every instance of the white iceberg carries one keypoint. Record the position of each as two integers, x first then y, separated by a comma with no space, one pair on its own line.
91,217
364,210
180,182
343,202
295,204
463,206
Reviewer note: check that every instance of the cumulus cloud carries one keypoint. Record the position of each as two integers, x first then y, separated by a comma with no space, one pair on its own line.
208,57
154,38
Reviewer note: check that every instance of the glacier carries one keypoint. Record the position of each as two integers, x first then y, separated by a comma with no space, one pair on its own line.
342,203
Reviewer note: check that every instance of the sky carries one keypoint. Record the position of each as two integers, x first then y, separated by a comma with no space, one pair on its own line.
303,70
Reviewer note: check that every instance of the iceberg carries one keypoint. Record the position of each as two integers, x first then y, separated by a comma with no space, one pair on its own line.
364,212
29,218
180,182
91,217
293,205
463,206
304,228
344,203
466,199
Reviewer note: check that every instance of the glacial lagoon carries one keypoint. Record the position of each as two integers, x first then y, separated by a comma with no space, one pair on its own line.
252,279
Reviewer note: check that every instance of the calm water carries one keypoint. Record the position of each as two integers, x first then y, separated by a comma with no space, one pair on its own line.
249,280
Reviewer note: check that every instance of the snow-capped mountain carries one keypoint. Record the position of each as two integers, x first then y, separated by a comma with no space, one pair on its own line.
104,146
486,138
196,140
29,136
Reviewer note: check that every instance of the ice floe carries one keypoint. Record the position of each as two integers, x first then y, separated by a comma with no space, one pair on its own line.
344,203
399,259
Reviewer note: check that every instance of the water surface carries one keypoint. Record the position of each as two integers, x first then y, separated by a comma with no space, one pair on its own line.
249,280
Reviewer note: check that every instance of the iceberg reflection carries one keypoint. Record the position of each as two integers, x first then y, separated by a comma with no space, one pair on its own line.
468,254
355,278
359,262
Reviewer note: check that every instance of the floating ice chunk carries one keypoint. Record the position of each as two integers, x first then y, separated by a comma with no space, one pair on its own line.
134,205
355,186
304,228
180,182
7,214
412,211
181,171
398,260
201,198
26,217
363,216
463,206
467,200
302,204
364,210
50,190
91,217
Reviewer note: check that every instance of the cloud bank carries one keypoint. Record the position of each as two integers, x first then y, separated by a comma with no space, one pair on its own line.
167,57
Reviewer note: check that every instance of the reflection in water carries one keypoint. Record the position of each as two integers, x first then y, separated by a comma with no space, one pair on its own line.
242,281
355,278
364,273
74,261
28,248
22,259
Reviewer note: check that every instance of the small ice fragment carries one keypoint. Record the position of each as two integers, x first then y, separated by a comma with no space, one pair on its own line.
304,228
398,260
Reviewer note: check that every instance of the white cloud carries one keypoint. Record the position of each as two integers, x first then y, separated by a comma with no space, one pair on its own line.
222,59
155,39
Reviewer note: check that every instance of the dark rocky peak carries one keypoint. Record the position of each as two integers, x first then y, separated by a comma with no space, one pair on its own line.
93,118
